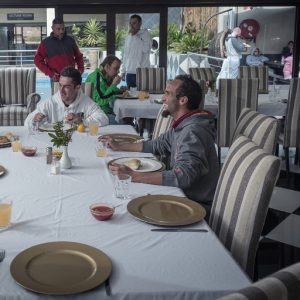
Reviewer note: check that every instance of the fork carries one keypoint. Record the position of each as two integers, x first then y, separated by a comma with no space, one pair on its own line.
2,254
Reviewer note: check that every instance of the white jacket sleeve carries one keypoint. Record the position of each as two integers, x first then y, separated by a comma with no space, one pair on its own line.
94,113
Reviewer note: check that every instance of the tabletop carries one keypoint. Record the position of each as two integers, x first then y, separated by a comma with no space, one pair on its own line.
267,104
146,264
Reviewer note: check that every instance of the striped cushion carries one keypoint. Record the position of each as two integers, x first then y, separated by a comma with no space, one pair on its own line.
152,80
291,137
262,130
242,198
284,284
16,84
17,95
162,124
13,115
86,88
234,95
206,74
260,72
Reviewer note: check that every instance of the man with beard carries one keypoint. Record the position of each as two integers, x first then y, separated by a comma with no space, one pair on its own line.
57,52
189,143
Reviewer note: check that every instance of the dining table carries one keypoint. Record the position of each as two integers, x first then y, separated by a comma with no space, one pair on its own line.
146,264
271,104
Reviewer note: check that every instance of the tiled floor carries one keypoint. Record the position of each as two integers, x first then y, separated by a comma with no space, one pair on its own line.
280,245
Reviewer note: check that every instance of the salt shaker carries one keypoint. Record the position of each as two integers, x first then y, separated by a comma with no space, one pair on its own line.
49,155
55,166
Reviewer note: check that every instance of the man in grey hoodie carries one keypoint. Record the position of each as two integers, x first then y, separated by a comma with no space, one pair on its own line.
189,142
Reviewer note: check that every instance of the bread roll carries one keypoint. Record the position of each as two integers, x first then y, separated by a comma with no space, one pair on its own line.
134,164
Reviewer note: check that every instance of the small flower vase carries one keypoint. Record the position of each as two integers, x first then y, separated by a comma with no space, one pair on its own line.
65,161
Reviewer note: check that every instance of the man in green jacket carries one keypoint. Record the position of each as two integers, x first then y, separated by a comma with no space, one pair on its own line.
105,80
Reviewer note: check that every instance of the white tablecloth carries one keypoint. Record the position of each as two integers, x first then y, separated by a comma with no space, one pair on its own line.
146,264
148,109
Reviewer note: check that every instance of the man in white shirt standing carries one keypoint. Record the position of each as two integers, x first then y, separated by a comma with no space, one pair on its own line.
136,51
68,103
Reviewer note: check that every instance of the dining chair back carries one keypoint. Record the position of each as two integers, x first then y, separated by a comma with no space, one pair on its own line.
291,134
206,74
85,86
152,80
261,129
242,199
17,95
281,285
162,124
233,96
259,72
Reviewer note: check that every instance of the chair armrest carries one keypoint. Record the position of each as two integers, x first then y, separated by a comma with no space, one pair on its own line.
32,100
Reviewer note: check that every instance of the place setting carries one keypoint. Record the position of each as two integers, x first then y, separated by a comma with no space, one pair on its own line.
61,268
167,211
124,137
139,164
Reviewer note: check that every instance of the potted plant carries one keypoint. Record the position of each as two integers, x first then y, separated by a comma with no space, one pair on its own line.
61,138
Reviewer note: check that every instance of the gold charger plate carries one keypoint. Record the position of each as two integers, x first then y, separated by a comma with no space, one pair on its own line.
124,137
166,210
148,164
127,97
60,268
48,127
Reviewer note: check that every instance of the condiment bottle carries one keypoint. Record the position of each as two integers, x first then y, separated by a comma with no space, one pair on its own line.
55,166
49,155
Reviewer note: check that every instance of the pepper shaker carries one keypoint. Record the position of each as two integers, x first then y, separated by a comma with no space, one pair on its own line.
49,155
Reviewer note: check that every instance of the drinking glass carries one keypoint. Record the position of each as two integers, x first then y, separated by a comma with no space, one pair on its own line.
101,149
5,213
93,128
122,185
133,91
16,145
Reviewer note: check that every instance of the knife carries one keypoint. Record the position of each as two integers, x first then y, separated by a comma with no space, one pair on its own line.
179,230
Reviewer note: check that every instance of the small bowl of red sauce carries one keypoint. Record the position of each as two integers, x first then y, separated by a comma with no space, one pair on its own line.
102,211
29,150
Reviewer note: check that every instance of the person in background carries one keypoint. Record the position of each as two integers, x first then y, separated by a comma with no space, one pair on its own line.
57,52
288,67
69,103
256,58
136,50
287,51
105,80
234,48
189,143
287,60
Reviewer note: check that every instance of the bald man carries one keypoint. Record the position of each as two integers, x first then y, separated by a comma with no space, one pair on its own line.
234,48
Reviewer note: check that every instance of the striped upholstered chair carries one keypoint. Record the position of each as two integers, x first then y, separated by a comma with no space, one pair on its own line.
282,285
234,95
261,129
259,72
162,124
17,95
242,198
152,80
206,74
291,134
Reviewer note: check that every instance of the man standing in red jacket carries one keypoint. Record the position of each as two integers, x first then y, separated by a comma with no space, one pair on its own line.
57,52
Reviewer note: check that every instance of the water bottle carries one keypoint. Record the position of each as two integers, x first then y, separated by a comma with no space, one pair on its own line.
146,134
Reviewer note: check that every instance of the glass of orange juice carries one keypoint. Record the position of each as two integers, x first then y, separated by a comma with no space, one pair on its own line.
5,213
101,149
16,145
93,127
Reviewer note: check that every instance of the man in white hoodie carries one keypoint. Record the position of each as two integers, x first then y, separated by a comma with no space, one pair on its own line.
69,103
136,51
